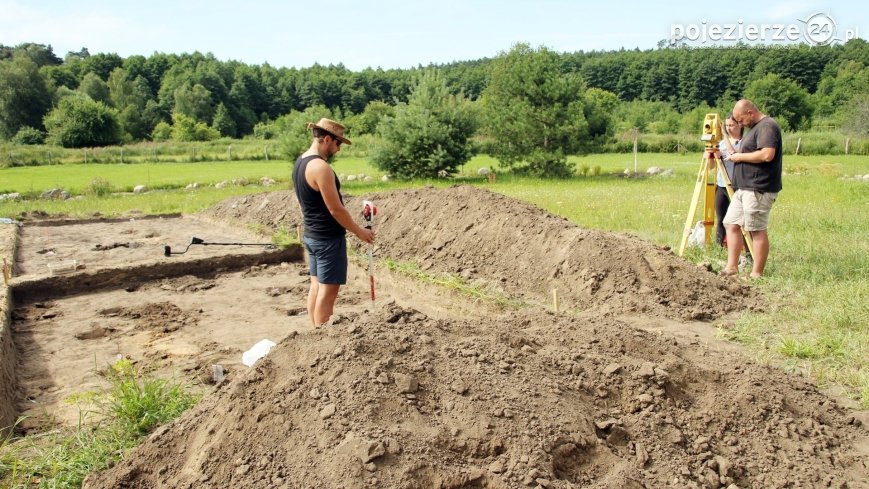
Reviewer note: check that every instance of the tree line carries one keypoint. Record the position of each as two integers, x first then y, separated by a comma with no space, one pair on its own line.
44,98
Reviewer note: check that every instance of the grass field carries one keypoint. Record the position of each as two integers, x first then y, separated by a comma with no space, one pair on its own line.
818,273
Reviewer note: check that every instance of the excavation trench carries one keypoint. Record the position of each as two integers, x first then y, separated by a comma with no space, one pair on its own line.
428,387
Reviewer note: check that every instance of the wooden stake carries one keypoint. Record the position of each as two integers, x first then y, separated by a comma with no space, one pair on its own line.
555,299
799,141
5,273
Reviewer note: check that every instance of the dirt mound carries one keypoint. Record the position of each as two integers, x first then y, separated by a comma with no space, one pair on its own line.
395,399
495,241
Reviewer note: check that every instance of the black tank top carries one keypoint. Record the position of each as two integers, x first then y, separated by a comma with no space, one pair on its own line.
319,223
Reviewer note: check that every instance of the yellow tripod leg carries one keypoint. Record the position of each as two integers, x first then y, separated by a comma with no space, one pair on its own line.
709,210
692,210
730,192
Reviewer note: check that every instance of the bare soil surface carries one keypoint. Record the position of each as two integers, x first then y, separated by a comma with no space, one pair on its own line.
625,387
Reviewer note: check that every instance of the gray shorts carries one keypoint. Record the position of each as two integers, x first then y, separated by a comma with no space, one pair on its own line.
750,209
327,259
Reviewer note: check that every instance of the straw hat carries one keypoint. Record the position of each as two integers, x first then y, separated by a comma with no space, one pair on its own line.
332,128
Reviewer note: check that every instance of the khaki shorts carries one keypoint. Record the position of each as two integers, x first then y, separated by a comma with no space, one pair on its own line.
750,210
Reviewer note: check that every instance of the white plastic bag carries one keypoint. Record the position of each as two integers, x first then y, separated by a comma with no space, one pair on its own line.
256,352
698,235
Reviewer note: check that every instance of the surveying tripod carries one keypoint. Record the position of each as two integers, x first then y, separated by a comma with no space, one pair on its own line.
711,136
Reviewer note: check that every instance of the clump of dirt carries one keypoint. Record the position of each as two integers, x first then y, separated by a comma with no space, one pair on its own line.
396,399
492,240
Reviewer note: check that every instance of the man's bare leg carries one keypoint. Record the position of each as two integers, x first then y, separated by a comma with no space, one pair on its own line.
734,248
312,299
324,304
760,242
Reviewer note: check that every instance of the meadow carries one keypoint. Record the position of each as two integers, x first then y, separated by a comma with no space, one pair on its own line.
817,277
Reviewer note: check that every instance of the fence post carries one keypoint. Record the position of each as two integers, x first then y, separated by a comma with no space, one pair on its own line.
799,141
229,153
49,157
266,150
847,144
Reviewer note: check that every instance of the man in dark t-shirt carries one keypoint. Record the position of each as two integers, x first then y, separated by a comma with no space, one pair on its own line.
326,219
757,180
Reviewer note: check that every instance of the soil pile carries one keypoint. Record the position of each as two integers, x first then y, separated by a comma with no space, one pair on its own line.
396,399
495,241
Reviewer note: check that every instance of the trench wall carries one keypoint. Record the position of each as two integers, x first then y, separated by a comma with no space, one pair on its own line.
8,244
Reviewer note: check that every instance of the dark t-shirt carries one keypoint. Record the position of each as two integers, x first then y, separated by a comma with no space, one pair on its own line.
762,177
319,223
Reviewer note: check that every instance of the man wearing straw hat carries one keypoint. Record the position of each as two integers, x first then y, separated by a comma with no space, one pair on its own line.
325,217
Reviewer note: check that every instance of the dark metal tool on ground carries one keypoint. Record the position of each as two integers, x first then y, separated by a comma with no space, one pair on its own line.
369,210
167,250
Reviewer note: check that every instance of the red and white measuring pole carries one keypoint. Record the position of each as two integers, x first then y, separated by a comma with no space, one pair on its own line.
369,210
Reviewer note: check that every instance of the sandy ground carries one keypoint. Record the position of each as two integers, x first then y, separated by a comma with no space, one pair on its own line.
625,387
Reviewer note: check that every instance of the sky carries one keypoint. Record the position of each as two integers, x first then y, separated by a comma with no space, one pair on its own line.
403,34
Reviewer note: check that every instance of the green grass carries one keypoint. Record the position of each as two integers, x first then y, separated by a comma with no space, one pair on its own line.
816,280
132,407
453,282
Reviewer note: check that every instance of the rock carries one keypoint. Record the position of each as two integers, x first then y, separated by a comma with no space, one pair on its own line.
266,182
483,171
646,370
222,184
191,186
654,170
385,178
328,411
459,386
351,178
612,369
710,478
642,454
407,384
140,189
606,424
496,467
372,451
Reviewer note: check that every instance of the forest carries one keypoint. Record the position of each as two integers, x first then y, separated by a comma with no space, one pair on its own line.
101,99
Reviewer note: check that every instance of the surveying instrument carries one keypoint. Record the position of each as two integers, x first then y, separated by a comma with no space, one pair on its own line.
706,185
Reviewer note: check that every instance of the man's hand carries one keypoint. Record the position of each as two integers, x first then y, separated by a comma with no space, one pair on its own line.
365,235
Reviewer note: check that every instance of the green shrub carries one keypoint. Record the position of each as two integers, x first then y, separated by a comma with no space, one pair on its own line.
99,187
29,136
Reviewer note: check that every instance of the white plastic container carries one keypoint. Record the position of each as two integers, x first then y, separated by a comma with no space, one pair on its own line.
256,352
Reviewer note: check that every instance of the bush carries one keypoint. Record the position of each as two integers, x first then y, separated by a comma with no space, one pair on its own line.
79,122
162,132
99,187
29,135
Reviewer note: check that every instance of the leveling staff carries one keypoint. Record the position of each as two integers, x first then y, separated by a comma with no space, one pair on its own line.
757,181
325,217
